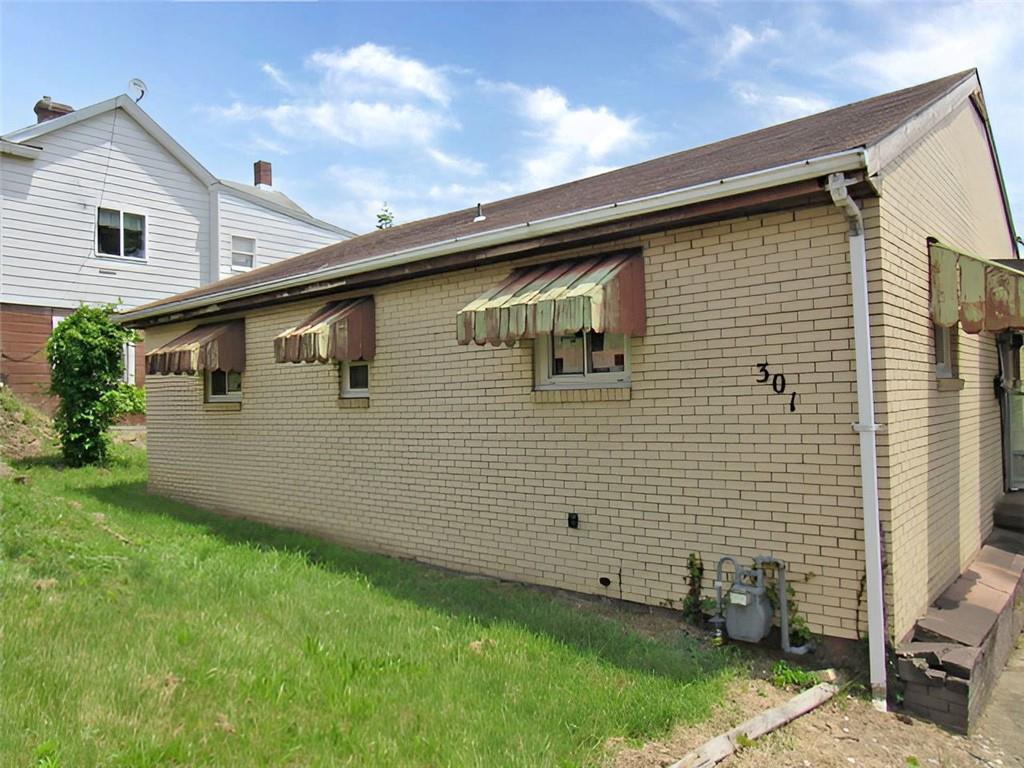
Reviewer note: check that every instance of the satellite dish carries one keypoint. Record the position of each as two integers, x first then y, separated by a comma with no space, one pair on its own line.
140,86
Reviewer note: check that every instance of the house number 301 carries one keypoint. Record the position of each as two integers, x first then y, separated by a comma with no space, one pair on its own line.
777,382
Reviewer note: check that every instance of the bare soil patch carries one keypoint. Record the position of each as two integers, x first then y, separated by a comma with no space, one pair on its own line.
844,732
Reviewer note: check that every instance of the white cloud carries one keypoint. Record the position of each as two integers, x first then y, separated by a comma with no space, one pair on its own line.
367,97
776,106
739,40
566,142
370,66
275,75
461,165
948,39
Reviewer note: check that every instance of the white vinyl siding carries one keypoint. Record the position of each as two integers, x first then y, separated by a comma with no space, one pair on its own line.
49,217
278,236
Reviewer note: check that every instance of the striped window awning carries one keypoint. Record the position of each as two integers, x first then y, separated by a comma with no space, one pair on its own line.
214,347
342,331
980,294
603,294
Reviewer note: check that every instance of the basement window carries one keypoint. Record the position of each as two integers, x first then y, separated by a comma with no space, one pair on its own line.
223,387
355,379
946,352
243,253
120,234
581,360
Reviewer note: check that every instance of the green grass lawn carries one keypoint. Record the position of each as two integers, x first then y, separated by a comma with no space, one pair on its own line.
138,631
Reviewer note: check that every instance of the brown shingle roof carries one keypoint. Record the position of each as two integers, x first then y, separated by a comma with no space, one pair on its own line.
855,125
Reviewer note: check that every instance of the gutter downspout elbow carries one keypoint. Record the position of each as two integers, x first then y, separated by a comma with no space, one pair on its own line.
866,428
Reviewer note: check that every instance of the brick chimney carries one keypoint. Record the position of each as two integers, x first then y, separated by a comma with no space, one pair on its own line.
47,109
261,174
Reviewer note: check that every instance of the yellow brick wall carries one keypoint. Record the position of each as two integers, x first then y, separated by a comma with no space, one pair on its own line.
457,462
940,451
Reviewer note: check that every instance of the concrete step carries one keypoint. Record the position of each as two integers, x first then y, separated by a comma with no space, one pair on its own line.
1009,512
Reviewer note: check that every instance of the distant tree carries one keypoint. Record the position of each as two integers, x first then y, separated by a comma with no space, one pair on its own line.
385,217
86,359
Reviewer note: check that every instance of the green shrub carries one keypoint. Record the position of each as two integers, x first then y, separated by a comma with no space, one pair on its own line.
87,365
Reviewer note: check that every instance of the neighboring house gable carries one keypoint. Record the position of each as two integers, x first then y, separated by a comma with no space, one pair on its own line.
101,205
50,212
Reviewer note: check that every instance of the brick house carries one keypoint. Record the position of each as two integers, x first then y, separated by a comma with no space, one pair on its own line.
580,386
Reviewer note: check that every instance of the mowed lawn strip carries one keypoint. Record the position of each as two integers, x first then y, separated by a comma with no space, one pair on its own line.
139,631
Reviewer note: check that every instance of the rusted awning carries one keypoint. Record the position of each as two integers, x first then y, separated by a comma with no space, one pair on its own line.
981,295
603,294
343,331
215,347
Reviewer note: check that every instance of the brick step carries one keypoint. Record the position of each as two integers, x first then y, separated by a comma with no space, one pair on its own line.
1009,512
960,645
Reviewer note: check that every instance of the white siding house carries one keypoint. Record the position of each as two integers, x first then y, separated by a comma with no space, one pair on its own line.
102,205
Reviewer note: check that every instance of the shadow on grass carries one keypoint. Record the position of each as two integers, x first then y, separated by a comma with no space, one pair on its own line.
485,601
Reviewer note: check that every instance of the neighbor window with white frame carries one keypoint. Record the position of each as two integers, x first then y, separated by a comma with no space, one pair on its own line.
128,358
355,379
584,359
120,233
243,252
946,352
223,386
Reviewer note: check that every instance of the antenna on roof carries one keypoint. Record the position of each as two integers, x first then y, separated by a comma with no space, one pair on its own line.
138,85
479,213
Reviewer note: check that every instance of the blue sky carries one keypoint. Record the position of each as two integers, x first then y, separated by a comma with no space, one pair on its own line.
433,107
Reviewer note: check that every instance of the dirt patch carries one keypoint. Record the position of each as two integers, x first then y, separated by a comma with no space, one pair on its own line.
24,431
844,732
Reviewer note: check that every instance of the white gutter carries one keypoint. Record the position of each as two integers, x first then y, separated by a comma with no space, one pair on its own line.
866,428
848,160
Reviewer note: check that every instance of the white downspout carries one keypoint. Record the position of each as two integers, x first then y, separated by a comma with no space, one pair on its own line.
866,428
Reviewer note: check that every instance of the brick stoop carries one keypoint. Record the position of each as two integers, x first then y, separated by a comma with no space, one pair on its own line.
1009,512
961,645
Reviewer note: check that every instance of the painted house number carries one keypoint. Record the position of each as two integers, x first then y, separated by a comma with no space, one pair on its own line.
777,382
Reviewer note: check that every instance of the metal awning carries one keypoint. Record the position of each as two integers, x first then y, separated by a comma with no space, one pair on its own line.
980,294
215,347
603,294
342,331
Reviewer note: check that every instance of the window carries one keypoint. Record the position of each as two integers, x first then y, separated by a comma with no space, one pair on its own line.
581,360
128,357
223,387
120,234
355,379
243,252
946,348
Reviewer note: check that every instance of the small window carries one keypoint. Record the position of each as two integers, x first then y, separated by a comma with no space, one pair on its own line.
355,379
120,234
243,252
223,386
128,358
946,348
582,360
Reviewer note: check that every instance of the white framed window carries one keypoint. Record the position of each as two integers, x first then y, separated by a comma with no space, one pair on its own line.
243,253
584,359
946,349
355,379
223,387
120,234
128,356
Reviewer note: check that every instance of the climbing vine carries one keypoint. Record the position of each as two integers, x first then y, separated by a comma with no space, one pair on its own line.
86,359
693,605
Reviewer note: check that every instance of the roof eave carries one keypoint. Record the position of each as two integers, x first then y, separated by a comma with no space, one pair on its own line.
848,160
14,149
298,215
136,112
